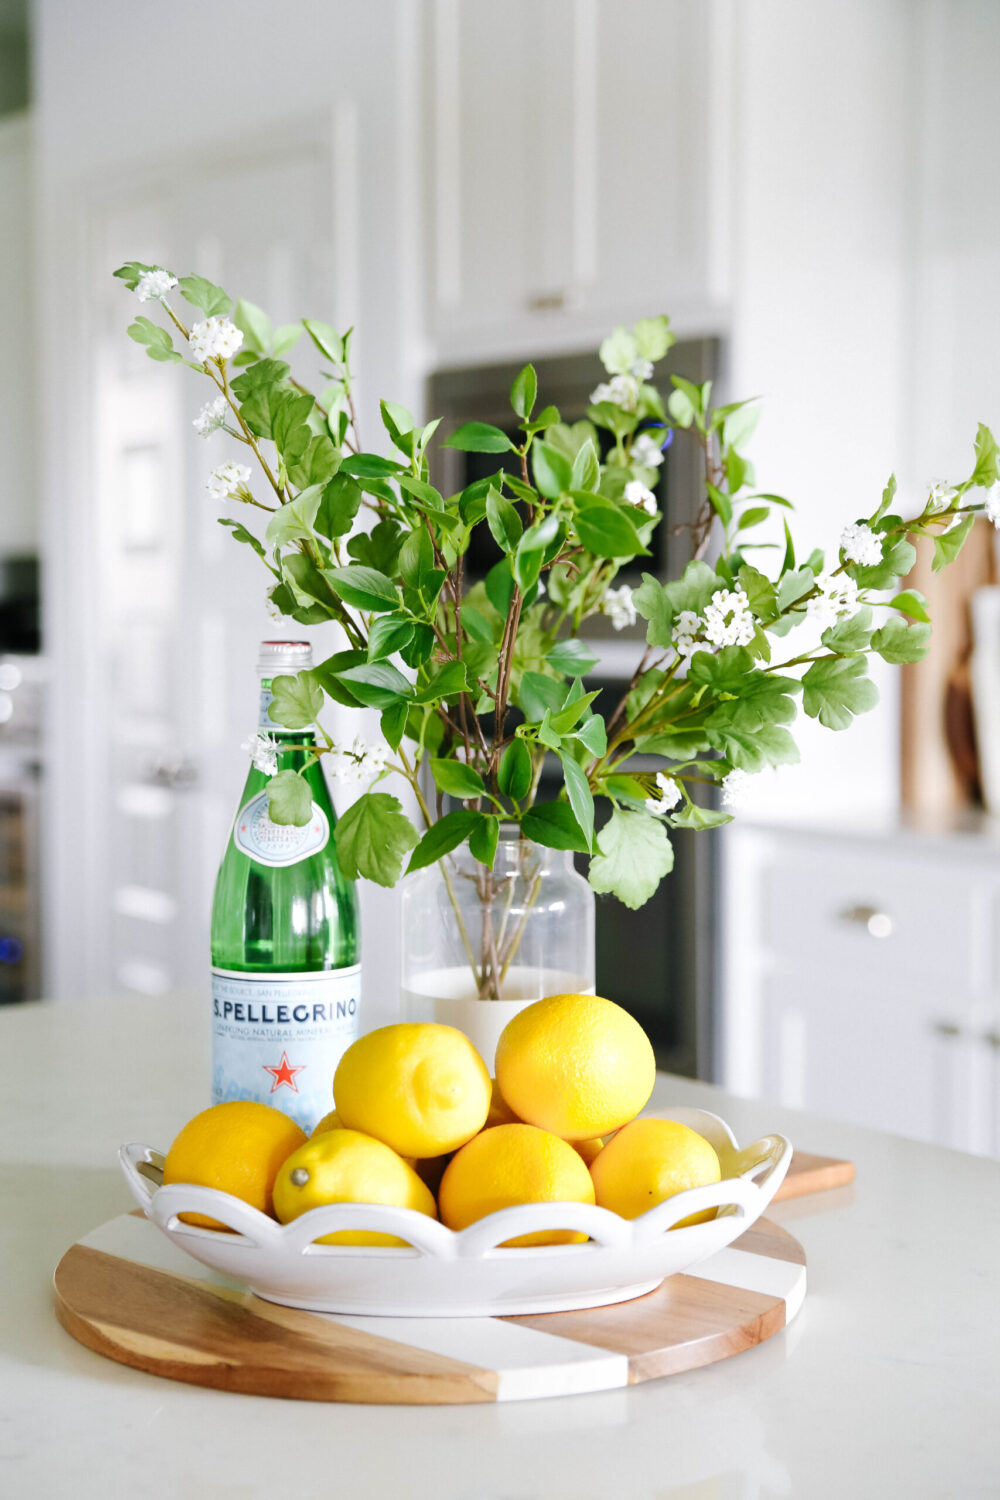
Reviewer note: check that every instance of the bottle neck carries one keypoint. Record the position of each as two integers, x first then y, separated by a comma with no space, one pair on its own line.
286,738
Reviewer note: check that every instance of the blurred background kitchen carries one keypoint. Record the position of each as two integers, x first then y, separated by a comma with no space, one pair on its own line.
810,188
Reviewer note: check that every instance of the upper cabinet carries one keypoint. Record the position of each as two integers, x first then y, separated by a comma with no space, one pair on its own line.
578,158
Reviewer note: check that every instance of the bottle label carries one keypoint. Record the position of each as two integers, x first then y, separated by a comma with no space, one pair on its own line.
278,844
264,721
278,1038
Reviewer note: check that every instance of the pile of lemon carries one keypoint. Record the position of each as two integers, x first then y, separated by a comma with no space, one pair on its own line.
419,1123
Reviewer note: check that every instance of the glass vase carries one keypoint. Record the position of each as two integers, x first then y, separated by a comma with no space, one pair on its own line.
479,944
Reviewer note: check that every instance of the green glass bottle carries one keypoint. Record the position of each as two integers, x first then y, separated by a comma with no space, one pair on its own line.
286,972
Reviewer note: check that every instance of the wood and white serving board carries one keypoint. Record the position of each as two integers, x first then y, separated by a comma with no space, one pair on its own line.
128,1293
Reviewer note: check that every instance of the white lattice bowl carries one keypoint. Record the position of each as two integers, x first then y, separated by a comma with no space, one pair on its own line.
467,1274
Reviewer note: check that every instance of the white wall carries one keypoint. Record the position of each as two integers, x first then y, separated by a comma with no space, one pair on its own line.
19,518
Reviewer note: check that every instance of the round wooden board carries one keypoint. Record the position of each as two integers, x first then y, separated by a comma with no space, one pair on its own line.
126,1292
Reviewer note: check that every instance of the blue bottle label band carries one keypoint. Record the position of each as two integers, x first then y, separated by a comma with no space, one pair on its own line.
278,844
277,1038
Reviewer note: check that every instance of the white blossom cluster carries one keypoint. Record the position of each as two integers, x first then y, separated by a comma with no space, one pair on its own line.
211,417
620,390
669,795
215,338
354,764
860,545
837,600
154,285
263,751
940,498
646,451
735,787
619,607
992,507
638,494
727,621
226,480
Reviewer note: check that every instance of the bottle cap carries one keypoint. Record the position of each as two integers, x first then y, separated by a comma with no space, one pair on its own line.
276,657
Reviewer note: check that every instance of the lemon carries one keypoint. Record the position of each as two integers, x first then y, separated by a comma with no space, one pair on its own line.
650,1160
500,1112
421,1088
331,1121
235,1147
577,1065
514,1164
344,1166
589,1150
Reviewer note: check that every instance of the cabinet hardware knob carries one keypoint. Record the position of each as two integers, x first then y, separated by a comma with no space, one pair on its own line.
992,1039
946,1028
555,301
878,923
176,773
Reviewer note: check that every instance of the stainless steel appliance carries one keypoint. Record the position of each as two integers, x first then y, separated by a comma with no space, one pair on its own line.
660,960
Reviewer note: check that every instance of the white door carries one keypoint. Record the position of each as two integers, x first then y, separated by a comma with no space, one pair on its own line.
180,607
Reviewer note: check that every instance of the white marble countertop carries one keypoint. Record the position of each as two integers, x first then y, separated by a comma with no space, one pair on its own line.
885,1385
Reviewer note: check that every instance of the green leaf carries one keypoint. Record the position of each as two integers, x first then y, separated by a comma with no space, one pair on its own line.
593,734
693,816
605,529
681,408
364,588
456,779
515,772
327,340
788,561
720,503
132,272
740,425
753,517
325,673
635,854
393,722
479,437
888,495
289,414
378,684
205,294
659,603
416,557
255,325
318,463
242,535
370,466
388,634
339,504
898,642
653,337
307,580
726,672
911,602
572,657
503,521
898,557
619,352
949,545
289,799
754,749
523,392
554,825
553,471
373,837
499,585
586,471
581,798
159,345
483,840
836,688
443,836
987,470
573,709
294,521
263,374
538,693
760,591
378,548
296,701
446,681
849,637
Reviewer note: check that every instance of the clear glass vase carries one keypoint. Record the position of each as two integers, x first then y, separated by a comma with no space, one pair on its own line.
478,945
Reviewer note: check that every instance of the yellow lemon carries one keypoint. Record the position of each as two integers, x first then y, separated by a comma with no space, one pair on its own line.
589,1150
332,1121
650,1160
577,1065
236,1147
344,1166
514,1164
500,1112
420,1087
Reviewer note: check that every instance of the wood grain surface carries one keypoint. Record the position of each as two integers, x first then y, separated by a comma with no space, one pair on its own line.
813,1174
130,1295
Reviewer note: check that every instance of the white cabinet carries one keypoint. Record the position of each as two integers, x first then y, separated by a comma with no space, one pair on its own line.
577,157
860,979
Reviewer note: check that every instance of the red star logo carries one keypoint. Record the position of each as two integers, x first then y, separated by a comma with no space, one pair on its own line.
284,1073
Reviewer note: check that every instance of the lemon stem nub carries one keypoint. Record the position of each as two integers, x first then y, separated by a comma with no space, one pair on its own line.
300,1176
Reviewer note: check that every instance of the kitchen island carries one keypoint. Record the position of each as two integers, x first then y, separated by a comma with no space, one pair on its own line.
885,1384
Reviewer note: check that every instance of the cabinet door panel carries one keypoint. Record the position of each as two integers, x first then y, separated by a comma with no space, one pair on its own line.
856,1052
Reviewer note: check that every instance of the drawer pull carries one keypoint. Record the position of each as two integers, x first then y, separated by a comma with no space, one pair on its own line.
946,1028
992,1039
878,923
